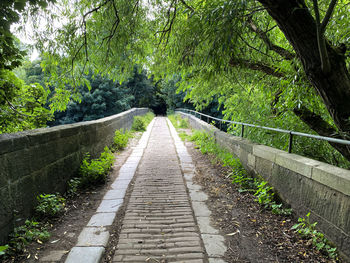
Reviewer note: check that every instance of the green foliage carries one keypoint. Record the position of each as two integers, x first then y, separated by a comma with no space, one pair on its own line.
94,171
140,123
11,54
22,106
73,186
178,122
50,205
262,191
209,49
307,230
120,140
103,97
3,249
23,235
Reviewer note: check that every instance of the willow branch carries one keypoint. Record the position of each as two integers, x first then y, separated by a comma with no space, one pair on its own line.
263,35
256,66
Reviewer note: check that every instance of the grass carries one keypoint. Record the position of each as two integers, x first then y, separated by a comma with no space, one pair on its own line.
178,122
263,193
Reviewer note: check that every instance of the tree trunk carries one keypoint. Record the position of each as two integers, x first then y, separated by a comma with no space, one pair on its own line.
299,27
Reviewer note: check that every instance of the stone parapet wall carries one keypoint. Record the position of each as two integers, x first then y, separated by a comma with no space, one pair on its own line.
307,185
43,160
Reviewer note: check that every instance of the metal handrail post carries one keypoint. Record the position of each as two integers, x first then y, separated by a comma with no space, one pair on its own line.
290,145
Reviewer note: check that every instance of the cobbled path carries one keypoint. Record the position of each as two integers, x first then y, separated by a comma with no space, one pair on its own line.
159,225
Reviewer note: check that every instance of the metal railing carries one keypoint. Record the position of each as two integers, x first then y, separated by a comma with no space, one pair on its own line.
291,133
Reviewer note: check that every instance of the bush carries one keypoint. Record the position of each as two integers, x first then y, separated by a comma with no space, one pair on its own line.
95,170
120,140
50,205
138,124
141,122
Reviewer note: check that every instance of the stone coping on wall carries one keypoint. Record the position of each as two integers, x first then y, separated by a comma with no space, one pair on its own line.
326,174
10,142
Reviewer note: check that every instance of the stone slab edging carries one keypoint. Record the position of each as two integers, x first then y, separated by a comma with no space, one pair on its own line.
214,243
94,237
307,185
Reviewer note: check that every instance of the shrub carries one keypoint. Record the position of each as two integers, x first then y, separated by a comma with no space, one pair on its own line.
95,170
50,205
120,139
138,124
141,122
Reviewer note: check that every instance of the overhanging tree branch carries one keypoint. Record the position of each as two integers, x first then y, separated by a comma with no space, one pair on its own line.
263,35
257,66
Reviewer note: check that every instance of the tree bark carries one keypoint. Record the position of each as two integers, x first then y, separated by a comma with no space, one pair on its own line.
299,27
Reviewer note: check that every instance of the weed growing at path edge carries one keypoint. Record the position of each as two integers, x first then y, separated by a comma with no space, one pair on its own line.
262,191
120,140
50,205
141,122
94,171
178,122
308,231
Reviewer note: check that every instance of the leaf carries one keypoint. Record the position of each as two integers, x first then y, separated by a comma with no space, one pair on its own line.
233,233
3,249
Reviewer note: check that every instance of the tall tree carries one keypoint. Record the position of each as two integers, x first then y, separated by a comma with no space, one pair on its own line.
295,45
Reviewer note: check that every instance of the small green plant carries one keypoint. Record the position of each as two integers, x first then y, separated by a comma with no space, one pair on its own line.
178,122
307,230
95,170
141,122
23,235
3,249
183,136
264,194
50,205
183,123
120,140
73,186
138,124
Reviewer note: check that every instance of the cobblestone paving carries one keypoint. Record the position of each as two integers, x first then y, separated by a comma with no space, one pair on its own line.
159,225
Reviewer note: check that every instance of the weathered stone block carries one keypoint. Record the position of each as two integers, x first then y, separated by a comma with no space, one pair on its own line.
19,164
337,178
42,136
264,167
296,163
266,152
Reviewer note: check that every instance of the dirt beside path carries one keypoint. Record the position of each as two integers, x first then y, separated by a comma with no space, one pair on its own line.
252,234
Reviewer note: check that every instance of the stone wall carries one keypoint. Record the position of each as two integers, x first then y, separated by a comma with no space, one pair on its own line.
42,160
307,185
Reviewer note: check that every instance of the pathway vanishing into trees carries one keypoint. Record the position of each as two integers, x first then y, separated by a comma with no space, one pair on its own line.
166,219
